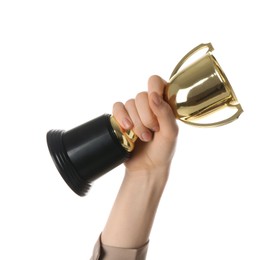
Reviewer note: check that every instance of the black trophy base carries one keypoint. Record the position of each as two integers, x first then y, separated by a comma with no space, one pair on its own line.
85,153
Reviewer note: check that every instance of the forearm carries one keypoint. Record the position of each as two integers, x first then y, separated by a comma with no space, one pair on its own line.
134,209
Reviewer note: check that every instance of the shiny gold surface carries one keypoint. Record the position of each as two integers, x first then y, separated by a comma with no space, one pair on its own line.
194,92
200,89
126,138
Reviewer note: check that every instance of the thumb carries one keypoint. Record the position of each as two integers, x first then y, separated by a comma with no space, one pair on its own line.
164,114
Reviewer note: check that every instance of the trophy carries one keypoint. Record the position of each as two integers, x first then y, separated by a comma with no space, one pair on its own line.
194,92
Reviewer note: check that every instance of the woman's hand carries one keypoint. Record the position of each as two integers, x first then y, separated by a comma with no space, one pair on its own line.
153,121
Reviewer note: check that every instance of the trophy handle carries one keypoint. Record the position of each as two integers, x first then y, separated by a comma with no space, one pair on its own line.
189,54
222,122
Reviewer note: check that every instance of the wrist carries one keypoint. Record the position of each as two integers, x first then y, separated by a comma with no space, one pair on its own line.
156,178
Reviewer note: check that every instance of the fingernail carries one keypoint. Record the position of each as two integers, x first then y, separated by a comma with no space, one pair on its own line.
157,100
146,136
156,128
127,123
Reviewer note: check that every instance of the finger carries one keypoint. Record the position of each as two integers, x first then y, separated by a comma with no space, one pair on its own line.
146,115
156,84
139,128
165,116
160,108
122,116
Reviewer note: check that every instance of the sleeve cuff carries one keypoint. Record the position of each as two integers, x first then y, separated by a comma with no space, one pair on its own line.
104,252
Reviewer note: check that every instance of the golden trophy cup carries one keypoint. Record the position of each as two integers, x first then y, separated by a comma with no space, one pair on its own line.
194,92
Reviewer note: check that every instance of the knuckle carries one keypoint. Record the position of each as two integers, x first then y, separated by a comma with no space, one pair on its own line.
129,102
154,78
141,95
117,106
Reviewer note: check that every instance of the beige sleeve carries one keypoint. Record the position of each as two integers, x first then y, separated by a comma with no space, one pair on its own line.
103,252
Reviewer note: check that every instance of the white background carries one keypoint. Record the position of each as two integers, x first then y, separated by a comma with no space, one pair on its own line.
63,63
